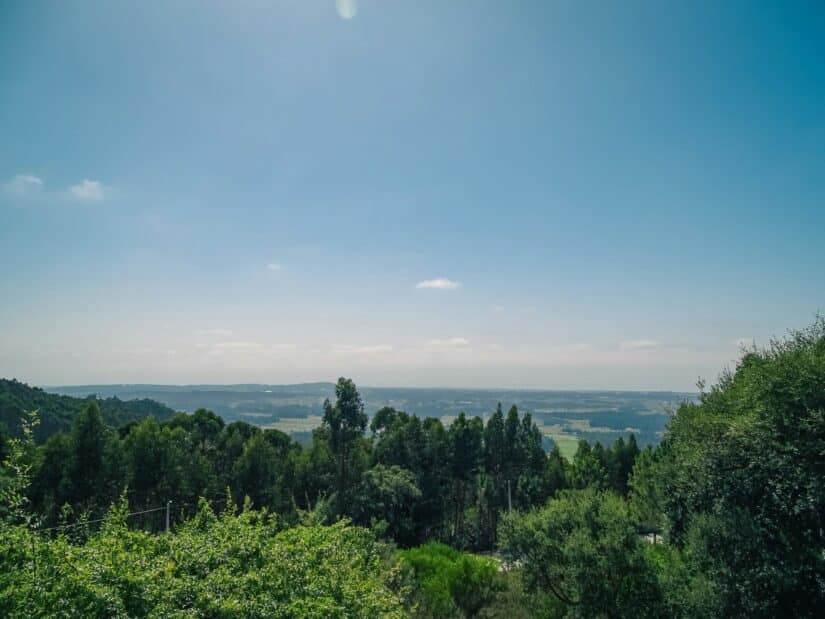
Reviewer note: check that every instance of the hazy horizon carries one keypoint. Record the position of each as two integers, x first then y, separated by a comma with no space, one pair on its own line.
363,386
532,195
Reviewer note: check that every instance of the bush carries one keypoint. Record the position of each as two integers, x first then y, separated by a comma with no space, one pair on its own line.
450,583
217,566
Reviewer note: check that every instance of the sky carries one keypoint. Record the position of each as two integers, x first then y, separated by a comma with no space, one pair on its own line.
561,195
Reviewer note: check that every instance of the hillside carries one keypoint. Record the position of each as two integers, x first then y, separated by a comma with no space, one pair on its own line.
56,412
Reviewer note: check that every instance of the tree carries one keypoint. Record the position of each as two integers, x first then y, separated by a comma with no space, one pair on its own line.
646,492
494,444
588,469
345,423
513,445
530,486
582,548
465,440
255,472
494,493
742,479
388,494
451,583
88,444
555,472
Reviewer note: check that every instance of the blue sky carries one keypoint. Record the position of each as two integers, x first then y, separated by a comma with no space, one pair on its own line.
600,195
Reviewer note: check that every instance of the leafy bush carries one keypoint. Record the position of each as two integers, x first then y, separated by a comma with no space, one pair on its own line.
450,583
228,565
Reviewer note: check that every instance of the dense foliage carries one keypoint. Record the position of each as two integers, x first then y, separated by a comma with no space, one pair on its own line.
417,479
229,565
742,480
737,488
723,518
57,412
451,583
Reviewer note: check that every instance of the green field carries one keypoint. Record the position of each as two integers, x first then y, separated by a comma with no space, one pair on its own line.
297,424
567,445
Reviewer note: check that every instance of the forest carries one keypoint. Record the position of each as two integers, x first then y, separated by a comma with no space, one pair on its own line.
393,515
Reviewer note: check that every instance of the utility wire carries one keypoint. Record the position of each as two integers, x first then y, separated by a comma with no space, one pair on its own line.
86,522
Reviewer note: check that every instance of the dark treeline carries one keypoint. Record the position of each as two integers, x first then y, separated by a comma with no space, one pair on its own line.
56,413
415,477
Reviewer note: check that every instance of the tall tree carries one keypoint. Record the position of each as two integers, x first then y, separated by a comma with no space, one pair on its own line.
466,441
345,422
88,443
255,472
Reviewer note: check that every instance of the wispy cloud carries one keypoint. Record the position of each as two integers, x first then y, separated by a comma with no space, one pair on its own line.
24,185
237,346
87,191
439,283
213,333
640,345
452,342
274,266
376,349
373,350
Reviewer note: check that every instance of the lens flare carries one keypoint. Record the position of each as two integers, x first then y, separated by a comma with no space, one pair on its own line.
347,9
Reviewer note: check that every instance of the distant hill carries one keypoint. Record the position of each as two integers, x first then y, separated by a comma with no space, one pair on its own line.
57,412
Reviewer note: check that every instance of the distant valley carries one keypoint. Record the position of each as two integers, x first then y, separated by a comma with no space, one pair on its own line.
563,416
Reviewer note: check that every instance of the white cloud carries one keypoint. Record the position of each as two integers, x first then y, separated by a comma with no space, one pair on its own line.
274,266
376,349
239,346
213,333
373,350
639,345
88,191
24,185
452,342
439,283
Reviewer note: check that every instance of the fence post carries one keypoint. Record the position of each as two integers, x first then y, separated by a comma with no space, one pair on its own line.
168,509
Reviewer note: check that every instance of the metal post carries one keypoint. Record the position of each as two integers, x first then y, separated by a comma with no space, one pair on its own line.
509,498
168,509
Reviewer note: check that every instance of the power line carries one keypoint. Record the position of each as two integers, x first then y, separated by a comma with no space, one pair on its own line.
87,522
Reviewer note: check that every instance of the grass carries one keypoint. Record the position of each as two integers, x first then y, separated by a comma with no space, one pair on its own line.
297,424
567,445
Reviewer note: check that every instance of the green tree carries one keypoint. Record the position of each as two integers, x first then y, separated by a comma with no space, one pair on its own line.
88,444
450,583
344,422
465,442
388,494
742,479
588,469
582,547
255,473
